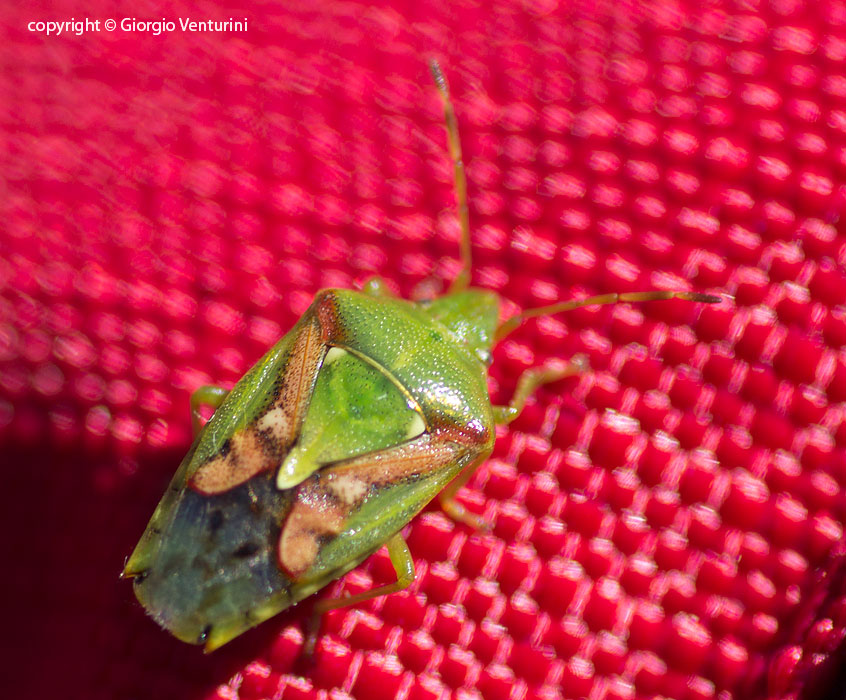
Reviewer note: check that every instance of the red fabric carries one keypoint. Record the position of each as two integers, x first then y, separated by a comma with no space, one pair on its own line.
667,525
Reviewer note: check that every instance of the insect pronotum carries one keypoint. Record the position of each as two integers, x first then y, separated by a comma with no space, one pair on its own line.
364,411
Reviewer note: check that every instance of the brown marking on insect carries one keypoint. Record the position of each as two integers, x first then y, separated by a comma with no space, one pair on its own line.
261,445
284,417
471,433
246,456
326,309
315,516
428,453
325,501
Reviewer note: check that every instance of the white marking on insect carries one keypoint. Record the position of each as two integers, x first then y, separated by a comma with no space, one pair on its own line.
348,488
333,354
416,427
277,421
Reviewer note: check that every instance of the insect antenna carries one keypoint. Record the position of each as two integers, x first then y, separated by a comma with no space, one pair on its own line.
462,279
600,299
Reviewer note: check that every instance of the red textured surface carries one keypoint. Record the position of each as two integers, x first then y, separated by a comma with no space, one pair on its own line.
669,525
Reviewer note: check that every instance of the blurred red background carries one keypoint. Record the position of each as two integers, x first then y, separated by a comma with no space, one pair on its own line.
667,526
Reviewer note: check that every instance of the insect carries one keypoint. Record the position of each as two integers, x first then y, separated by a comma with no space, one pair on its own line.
365,411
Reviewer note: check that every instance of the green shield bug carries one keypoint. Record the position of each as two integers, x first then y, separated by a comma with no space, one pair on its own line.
334,440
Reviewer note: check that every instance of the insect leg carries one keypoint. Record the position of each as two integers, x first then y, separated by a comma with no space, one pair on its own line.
404,568
205,396
599,300
529,381
452,507
533,378
462,280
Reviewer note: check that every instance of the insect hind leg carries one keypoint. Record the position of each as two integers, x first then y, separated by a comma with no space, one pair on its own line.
403,566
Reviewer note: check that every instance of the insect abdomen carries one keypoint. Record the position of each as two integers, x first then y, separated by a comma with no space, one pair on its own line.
211,569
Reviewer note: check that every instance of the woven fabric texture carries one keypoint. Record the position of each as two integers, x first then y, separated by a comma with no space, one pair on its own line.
666,525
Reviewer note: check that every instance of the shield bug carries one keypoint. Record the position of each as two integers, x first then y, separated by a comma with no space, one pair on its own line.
365,411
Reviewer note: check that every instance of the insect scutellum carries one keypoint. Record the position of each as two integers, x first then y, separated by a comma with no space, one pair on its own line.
335,439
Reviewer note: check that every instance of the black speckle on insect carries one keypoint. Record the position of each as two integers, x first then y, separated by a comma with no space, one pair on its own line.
215,520
269,444
204,635
140,577
275,390
245,550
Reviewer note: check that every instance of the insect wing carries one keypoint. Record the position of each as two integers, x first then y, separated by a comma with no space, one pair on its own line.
205,566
